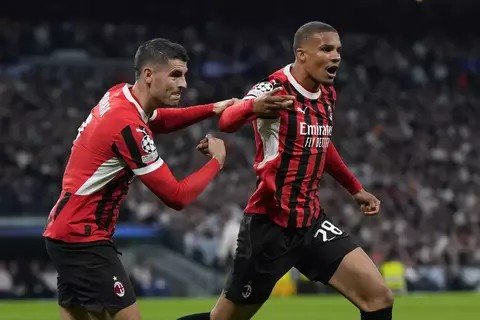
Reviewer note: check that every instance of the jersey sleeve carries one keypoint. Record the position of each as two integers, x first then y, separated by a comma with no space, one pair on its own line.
234,117
336,167
260,89
166,120
135,145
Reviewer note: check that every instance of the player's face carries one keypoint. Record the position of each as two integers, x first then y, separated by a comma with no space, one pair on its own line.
322,56
168,81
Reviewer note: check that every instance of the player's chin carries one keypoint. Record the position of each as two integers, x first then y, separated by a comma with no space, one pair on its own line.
172,102
327,80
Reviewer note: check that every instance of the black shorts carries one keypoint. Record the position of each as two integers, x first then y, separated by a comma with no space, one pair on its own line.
90,275
266,251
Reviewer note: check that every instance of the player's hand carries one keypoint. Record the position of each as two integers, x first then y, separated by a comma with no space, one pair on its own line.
369,204
270,104
220,106
213,147
203,146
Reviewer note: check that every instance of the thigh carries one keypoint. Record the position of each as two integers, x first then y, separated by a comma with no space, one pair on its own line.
325,245
79,313
358,279
73,313
225,309
129,313
90,276
262,257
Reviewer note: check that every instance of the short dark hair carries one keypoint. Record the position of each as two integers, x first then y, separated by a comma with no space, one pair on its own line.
307,30
158,50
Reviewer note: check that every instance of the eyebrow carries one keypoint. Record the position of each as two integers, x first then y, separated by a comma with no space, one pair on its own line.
330,46
176,71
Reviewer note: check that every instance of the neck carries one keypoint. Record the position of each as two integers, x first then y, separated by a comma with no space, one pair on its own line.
303,78
140,92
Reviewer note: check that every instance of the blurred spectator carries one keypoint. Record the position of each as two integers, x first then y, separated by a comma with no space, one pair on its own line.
6,282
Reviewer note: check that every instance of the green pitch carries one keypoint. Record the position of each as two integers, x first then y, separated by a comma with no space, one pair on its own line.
457,306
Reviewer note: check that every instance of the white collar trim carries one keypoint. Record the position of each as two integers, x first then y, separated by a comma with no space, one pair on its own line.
128,95
304,92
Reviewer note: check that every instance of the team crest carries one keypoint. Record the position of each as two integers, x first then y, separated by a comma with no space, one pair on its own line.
118,288
247,291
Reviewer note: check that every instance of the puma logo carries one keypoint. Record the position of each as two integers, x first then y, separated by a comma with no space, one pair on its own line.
302,110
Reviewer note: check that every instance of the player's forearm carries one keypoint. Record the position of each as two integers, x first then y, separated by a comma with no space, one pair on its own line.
335,166
166,120
178,194
235,116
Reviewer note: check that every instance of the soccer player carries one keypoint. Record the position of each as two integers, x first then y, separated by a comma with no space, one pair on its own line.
284,225
113,146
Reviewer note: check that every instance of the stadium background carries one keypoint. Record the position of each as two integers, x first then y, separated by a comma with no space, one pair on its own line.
407,124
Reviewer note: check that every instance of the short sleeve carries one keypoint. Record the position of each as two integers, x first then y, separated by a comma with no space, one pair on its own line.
136,147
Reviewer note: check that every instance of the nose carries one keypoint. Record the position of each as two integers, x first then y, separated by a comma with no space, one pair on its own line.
336,57
182,83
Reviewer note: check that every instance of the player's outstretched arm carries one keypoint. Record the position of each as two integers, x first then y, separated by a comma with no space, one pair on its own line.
178,194
337,168
267,105
166,120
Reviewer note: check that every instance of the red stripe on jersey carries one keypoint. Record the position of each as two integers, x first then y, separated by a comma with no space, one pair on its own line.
287,187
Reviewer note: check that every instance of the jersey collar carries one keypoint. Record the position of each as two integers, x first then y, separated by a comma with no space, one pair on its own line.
304,92
129,96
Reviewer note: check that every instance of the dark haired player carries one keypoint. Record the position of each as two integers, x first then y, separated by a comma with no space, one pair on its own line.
113,146
284,224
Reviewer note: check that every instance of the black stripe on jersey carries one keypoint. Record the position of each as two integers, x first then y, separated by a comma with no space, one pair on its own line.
287,153
317,208
116,201
62,204
301,170
313,178
116,151
132,146
107,197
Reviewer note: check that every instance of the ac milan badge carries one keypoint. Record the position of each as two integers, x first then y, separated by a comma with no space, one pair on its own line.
119,289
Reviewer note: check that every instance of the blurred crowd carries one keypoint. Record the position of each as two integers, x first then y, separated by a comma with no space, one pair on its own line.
406,123
37,278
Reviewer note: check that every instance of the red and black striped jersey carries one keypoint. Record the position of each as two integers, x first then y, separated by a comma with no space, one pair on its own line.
291,152
112,146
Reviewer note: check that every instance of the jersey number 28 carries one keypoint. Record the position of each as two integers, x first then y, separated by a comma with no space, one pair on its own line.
328,231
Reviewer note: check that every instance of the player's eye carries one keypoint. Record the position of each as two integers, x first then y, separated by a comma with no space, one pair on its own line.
176,74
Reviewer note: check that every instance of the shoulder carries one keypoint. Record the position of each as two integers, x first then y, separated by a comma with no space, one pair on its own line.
266,85
329,92
117,116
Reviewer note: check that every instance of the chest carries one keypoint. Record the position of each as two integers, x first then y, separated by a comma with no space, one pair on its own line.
307,129
309,118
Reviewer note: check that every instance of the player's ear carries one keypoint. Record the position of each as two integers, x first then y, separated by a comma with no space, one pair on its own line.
147,75
300,55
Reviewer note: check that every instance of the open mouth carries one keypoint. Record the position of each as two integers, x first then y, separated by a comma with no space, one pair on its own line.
332,71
